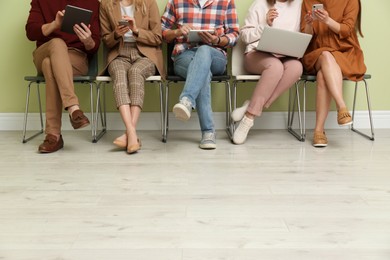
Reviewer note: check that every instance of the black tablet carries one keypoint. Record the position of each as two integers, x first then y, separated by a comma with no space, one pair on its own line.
75,15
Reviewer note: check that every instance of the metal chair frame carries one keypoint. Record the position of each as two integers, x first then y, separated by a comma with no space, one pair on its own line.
240,75
88,79
312,78
103,80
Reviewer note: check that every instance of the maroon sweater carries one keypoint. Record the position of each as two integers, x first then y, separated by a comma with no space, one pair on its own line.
44,11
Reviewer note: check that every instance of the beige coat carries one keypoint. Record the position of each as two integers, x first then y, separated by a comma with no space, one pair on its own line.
149,38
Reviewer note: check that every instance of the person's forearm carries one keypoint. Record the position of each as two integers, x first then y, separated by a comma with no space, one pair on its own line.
221,41
48,28
333,25
170,35
309,29
89,45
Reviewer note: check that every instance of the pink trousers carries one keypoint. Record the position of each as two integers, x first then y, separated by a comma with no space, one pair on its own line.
277,75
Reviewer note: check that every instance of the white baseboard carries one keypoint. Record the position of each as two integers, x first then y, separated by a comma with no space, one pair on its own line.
151,121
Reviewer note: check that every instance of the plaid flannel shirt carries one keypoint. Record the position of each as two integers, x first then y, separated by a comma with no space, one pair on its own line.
219,15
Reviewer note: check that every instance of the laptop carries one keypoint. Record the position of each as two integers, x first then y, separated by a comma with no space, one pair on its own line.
283,42
75,15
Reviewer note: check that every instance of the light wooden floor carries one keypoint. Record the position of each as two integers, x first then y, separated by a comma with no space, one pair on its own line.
272,198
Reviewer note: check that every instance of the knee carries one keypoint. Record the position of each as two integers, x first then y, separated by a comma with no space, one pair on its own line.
326,56
277,67
58,43
297,68
46,68
46,63
135,72
204,52
205,49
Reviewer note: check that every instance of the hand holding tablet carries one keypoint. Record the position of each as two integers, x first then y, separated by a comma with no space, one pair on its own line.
193,35
75,15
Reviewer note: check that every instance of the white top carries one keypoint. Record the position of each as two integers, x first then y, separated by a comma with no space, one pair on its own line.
202,2
289,19
129,11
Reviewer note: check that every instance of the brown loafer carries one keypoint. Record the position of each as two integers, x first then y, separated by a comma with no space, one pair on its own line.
344,117
319,139
51,144
78,119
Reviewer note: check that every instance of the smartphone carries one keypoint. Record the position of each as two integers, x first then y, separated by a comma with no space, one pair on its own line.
124,22
316,7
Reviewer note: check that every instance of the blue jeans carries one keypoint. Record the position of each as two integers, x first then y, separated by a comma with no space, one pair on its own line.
197,66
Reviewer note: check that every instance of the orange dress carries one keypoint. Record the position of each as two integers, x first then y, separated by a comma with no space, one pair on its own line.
344,46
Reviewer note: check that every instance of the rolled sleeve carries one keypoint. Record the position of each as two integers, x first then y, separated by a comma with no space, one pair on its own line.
232,26
347,25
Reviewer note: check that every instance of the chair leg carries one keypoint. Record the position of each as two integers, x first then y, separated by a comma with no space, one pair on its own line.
166,112
229,121
24,139
92,110
234,98
372,138
99,111
162,114
291,114
304,112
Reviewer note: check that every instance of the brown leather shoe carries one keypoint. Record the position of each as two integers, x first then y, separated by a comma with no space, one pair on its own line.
344,117
50,144
78,119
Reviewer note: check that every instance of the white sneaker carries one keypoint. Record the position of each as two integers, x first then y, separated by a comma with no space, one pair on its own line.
242,130
239,112
182,110
208,141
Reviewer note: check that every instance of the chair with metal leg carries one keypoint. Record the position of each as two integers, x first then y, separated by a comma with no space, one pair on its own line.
39,80
312,78
240,75
102,81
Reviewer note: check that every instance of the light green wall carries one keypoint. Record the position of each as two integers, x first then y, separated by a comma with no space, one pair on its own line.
16,61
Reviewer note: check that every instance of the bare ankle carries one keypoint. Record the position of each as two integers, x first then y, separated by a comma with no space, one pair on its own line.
249,115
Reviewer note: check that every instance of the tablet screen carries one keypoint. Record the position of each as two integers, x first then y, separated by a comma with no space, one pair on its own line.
193,35
75,15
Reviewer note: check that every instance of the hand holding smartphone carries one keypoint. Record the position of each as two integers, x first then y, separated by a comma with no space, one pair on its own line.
123,22
315,8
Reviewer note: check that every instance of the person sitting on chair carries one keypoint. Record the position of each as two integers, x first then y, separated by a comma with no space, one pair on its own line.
197,62
278,72
333,54
131,29
58,57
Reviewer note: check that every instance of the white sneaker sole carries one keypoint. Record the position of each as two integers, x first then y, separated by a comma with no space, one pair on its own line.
207,146
320,145
346,124
181,112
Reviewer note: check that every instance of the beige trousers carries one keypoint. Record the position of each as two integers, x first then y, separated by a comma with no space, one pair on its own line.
129,71
58,63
